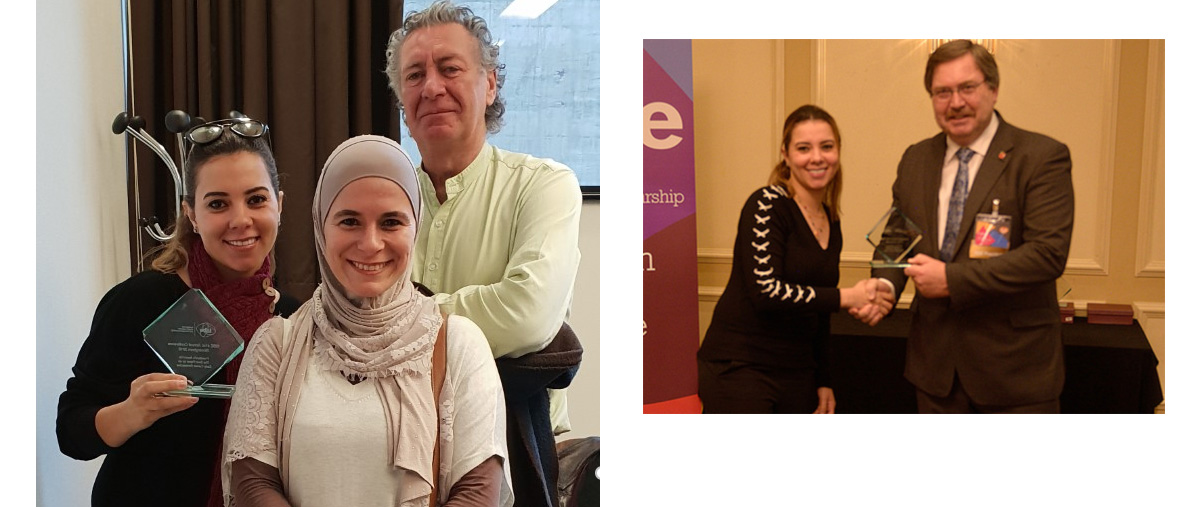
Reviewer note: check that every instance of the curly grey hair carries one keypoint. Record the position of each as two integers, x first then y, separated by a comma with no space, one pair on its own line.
443,12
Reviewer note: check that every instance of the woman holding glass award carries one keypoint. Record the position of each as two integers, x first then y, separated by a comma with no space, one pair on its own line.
160,449
766,350
368,395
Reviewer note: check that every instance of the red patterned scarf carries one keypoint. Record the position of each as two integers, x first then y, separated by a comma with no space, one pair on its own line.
246,304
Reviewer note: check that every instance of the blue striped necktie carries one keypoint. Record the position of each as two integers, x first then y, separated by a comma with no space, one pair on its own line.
958,198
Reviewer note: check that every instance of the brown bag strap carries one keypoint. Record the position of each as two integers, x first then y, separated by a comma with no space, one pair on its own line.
439,377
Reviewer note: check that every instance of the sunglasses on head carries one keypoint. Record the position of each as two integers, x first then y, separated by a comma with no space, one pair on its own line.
213,130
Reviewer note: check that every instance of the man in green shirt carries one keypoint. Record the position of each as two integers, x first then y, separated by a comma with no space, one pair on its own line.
498,242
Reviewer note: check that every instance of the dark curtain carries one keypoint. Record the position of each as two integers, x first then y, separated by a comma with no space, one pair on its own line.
312,70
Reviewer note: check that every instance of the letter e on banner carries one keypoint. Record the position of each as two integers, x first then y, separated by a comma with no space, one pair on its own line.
672,122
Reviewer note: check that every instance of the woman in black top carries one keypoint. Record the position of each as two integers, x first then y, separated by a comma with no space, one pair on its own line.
164,450
766,350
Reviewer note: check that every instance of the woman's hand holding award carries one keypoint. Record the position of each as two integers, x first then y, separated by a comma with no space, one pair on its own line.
193,339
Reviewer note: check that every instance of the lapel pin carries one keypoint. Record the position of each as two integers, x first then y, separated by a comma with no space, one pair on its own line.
1002,155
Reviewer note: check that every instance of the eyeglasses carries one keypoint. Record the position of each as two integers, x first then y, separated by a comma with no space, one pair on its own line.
964,90
213,130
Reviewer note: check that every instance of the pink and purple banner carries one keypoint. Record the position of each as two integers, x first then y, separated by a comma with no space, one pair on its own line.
670,309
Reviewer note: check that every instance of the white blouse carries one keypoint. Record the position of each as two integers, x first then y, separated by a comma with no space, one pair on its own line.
339,454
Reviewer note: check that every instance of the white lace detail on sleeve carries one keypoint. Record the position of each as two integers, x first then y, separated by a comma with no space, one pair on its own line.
250,431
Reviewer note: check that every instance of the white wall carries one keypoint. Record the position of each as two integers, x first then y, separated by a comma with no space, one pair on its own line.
82,241
81,210
583,397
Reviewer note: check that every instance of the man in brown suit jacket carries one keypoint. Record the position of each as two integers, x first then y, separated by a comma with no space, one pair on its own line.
986,335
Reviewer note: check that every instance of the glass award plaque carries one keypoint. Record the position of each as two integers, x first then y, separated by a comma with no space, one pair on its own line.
193,339
894,237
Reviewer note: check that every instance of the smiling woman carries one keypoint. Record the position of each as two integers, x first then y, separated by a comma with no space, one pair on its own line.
767,348
369,236
113,404
370,360
236,213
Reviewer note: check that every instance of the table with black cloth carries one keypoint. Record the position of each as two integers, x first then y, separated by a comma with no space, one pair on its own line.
1109,368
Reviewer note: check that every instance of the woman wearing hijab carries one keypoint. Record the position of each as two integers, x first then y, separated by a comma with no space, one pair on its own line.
367,395
165,450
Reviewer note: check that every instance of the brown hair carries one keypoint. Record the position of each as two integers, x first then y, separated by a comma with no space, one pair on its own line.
781,172
173,255
952,51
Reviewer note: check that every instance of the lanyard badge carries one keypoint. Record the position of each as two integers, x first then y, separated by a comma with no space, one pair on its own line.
993,233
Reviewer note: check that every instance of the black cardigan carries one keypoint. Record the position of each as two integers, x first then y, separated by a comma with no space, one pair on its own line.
169,463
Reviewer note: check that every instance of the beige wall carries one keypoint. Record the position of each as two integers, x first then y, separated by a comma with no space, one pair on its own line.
1103,98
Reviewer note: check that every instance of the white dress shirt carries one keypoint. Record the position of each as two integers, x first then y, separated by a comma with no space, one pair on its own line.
950,170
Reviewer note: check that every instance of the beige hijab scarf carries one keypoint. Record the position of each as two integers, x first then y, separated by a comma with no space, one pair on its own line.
389,337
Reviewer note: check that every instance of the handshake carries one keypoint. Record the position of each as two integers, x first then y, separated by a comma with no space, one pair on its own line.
869,300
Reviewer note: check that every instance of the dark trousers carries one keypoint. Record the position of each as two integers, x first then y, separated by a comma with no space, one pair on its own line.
958,402
738,387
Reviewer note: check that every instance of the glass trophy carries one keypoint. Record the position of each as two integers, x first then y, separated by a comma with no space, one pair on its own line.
894,237
193,339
